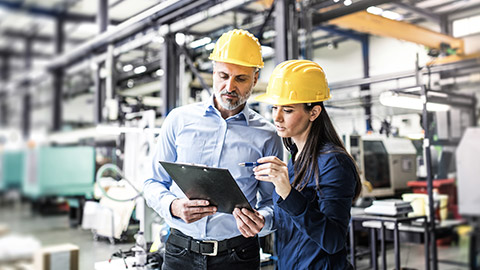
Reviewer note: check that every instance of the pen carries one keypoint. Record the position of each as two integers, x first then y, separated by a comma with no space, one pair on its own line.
249,164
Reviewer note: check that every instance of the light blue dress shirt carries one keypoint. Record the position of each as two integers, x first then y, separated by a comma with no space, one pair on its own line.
197,133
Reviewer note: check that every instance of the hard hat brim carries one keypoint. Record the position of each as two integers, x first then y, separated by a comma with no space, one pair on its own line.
236,62
275,100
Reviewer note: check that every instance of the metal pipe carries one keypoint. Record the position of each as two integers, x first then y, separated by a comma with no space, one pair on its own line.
129,27
428,163
102,16
402,75
140,22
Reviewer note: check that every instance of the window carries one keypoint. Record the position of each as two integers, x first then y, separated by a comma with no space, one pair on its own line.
466,26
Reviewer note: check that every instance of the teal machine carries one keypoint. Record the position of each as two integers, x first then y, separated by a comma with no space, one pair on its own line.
11,169
59,171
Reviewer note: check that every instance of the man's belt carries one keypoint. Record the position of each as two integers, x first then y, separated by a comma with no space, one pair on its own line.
206,247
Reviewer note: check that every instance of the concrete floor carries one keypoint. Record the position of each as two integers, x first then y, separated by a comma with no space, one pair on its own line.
51,230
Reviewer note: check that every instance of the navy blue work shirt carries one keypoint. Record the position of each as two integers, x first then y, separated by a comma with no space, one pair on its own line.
312,224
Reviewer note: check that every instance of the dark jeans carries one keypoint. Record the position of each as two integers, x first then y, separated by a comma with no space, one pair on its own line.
244,257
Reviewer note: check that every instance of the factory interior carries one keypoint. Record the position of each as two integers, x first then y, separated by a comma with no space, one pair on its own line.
85,86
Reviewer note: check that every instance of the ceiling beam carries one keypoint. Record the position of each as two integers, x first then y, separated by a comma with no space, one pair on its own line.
37,37
318,18
460,10
423,12
51,13
377,25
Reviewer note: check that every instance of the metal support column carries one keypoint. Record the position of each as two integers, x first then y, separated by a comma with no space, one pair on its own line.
170,84
99,96
365,88
110,83
102,15
286,40
58,77
3,109
5,67
307,50
26,104
428,164
4,76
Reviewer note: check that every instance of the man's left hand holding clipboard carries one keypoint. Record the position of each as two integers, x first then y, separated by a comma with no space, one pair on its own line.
249,221
191,210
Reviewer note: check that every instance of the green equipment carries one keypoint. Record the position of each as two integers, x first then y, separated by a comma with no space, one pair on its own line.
59,171
11,169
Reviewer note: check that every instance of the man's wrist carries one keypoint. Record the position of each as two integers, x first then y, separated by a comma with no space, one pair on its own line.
172,212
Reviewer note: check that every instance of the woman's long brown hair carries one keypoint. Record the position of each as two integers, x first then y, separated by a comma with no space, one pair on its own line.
321,133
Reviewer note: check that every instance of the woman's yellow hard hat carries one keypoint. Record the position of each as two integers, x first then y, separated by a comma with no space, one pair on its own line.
296,81
238,47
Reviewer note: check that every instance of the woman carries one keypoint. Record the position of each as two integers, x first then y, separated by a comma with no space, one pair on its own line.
314,192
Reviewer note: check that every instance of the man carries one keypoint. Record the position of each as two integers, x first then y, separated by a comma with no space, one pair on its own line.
221,132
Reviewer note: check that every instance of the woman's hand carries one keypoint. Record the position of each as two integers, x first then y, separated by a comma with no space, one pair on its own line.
274,170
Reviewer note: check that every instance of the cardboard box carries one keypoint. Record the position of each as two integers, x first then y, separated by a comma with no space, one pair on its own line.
58,257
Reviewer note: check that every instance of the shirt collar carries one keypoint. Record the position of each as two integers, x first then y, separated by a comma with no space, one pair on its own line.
209,107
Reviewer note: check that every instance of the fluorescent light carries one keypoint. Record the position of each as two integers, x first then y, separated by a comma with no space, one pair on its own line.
267,51
158,39
385,13
374,10
180,38
392,15
399,100
270,33
200,42
160,72
209,46
140,69
127,68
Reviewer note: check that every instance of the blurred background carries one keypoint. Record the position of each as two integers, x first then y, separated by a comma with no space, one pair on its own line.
85,86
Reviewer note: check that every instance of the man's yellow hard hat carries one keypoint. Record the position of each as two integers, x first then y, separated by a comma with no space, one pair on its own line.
296,81
238,47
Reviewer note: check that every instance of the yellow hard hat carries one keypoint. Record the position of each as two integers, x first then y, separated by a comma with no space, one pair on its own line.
296,81
238,47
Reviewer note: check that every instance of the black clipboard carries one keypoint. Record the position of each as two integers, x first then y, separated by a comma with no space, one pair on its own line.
213,184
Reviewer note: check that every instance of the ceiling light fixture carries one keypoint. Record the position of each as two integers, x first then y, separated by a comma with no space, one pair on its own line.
200,42
392,15
374,10
140,69
409,101
127,68
210,46
160,72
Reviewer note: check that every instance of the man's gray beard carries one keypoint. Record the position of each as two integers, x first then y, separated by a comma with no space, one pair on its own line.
230,106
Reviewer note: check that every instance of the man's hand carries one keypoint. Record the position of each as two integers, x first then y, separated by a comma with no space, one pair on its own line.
249,223
191,210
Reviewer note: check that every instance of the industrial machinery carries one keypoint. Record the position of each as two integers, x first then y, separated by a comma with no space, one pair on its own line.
11,169
468,172
386,163
59,171
468,197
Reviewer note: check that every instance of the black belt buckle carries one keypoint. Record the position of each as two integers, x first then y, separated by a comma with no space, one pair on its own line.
215,248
